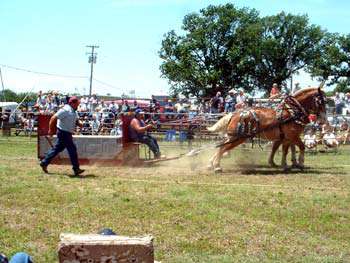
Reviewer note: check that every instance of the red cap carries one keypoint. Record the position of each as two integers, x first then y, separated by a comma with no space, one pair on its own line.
73,99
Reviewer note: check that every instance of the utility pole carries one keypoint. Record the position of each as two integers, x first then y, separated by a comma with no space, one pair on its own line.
290,66
92,61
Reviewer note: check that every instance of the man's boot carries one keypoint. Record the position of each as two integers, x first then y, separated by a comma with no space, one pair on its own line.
44,167
78,172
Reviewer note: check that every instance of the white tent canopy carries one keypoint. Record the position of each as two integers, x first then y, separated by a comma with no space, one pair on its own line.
8,106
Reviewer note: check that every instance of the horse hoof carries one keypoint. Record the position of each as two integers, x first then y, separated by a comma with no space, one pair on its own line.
209,167
286,169
218,170
295,166
272,164
298,166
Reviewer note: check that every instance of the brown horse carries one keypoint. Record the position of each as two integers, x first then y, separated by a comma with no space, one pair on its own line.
266,123
275,146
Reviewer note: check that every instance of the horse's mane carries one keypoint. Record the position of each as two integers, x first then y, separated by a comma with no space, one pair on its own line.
302,91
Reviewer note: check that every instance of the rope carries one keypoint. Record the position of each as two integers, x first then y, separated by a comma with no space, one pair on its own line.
19,104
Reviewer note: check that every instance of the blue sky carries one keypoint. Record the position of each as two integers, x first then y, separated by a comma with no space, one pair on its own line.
50,36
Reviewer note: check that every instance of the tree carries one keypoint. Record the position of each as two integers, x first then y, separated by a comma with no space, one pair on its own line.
343,86
8,95
26,97
288,44
17,97
224,47
334,61
214,54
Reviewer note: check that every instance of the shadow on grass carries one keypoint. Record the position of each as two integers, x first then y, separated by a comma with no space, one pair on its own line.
71,176
83,176
267,170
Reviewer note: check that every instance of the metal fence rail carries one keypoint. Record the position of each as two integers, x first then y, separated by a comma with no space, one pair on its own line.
169,127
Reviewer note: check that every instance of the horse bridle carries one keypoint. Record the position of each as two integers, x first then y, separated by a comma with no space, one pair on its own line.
298,112
319,102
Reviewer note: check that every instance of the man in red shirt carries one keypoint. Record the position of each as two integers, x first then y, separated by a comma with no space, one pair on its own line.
275,91
312,118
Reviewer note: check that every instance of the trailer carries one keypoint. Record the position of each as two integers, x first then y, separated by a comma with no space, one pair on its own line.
98,150
92,149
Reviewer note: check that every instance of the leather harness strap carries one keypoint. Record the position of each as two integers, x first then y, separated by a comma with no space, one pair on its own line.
289,104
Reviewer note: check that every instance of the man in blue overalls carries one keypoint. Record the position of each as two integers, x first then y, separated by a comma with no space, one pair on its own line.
137,133
66,118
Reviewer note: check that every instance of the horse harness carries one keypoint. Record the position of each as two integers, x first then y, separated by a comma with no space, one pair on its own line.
296,113
249,124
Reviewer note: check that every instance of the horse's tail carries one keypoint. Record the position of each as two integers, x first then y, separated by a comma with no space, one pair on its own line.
221,125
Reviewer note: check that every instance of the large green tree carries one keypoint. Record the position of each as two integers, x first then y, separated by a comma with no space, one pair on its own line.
224,47
214,53
288,43
343,85
334,62
10,95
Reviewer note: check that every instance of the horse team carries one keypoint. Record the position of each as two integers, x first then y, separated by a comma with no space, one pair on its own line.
283,126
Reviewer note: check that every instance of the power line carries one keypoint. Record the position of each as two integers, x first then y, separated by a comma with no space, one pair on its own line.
106,84
43,73
109,85
3,87
53,75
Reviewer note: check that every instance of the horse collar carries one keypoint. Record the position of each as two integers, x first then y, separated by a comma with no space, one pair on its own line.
296,111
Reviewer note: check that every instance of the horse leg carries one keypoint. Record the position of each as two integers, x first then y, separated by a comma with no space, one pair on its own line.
221,151
211,161
294,158
275,146
301,147
285,147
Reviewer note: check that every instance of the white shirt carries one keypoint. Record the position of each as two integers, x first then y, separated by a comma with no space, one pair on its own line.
67,118
337,100
330,139
240,99
84,101
95,124
179,107
309,139
329,136
82,107
29,123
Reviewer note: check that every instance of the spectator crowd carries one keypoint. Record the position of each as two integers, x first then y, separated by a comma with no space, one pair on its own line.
342,103
103,116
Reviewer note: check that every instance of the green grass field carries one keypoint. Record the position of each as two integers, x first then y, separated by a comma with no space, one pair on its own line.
249,213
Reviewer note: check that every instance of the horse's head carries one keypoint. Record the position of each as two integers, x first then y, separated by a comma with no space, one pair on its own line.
314,102
319,105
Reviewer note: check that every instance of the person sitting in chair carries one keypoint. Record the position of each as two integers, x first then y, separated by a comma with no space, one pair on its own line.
330,140
344,133
138,133
310,139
